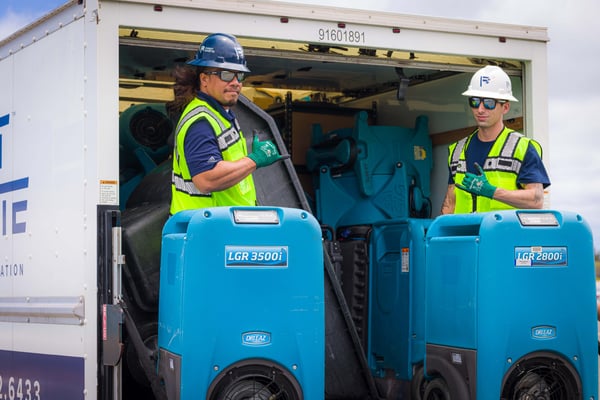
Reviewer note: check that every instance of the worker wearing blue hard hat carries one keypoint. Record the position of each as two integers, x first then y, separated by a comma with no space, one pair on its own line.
211,164
495,167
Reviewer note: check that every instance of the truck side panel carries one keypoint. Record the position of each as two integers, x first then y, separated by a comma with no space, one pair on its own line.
48,302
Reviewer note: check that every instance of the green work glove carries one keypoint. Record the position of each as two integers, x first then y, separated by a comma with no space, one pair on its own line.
264,153
477,184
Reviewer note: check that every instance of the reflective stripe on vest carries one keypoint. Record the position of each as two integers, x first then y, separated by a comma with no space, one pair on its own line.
185,195
186,186
502,167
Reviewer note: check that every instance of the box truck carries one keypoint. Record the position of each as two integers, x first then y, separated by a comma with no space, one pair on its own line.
104,296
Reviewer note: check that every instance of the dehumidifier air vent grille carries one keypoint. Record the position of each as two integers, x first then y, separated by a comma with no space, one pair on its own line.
255,379
541,376
150,128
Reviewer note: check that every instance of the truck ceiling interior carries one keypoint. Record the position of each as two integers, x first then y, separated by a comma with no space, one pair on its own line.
306,71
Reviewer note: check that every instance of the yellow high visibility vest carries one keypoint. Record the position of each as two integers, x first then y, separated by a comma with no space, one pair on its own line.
185,195
501,167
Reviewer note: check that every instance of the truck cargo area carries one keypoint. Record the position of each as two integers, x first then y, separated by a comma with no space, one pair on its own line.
302,84
294,92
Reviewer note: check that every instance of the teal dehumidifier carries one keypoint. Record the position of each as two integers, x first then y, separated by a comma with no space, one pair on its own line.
241,312
511,307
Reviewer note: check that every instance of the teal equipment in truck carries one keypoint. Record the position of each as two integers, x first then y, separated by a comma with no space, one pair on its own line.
369,173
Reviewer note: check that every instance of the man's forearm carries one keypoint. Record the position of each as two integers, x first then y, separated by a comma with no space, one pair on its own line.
224,175
449,202
530,197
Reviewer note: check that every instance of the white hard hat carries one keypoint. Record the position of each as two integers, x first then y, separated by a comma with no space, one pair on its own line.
491,82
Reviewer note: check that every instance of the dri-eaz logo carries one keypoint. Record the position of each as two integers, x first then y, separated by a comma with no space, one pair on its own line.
11,223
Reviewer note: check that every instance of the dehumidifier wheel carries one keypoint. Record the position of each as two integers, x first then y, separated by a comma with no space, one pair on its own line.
255,379
437,389
418,383
541,376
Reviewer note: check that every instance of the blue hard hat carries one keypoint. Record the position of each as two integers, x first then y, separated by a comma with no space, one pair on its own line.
220,50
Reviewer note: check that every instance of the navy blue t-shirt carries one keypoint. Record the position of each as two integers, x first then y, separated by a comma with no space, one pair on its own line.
200,146
532,169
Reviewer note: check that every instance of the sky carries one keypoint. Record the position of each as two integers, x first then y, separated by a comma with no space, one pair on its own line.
574,91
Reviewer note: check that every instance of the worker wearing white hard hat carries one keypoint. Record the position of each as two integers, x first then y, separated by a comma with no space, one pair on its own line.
495,167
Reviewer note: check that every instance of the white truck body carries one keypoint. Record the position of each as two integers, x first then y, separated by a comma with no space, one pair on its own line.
64,82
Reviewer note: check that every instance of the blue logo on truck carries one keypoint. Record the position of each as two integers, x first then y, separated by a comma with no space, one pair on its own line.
256,256
11,221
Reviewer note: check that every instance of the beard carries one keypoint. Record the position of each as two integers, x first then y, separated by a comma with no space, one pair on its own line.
230,99
229,103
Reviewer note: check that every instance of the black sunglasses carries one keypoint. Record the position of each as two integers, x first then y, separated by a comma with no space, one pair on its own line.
488,104
227,76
